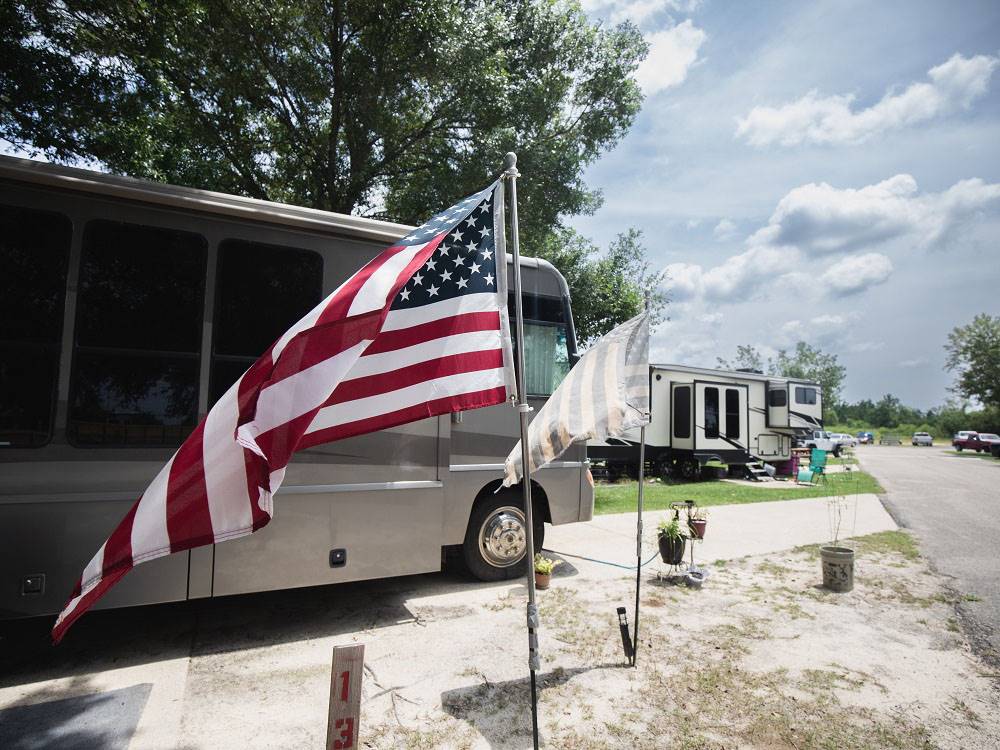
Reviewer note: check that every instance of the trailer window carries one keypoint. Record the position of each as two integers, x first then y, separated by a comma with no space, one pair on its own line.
682,411
732,413
711,412
34,256
138,335
805,395
261,290
777,398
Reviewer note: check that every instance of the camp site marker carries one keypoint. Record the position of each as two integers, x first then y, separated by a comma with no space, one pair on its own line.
345,697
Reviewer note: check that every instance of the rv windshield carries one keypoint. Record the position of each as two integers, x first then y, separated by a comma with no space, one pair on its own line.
546,344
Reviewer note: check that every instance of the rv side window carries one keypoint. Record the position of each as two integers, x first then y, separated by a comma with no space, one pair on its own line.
682,411
138,336
261,290
546,350
805,395
34,255
732,413
777,398
711,412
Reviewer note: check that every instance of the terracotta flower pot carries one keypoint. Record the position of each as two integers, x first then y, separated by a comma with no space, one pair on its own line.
542,580
697,527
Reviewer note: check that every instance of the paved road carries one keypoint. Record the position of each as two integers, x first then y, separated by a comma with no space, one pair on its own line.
952,504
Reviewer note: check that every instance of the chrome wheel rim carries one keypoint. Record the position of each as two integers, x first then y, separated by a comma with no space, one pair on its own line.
503,537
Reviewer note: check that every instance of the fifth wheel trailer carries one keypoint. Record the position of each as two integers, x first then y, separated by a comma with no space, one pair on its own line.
699,415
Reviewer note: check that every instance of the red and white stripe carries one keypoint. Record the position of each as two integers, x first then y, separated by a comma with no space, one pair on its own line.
326,377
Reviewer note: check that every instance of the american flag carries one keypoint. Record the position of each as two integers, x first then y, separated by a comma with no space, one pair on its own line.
421,330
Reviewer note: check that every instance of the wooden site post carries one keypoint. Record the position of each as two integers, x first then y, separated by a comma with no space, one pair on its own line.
345,697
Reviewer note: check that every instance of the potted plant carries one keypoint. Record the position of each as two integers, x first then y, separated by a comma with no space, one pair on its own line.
671,541
697,521
543,570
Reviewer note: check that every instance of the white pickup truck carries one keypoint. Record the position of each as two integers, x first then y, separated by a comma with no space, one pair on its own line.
823,440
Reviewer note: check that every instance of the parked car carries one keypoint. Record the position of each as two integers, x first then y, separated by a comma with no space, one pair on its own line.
823,440
865,438
922,438
848,441
974,441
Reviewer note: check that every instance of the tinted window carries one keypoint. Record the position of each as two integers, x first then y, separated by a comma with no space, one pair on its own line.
777,398
805,395
34,256
538,307
711,412
732,413
261,291
546,358
141,288
138,336
682,411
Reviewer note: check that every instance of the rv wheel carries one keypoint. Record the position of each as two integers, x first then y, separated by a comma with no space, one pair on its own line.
691,469
496,539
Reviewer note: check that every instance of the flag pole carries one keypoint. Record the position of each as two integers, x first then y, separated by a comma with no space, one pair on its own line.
638,532
511,174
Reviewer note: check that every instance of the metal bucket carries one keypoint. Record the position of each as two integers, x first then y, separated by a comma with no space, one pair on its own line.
838,568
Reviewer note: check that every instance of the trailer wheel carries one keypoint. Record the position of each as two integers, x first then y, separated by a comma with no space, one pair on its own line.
691,469
496,539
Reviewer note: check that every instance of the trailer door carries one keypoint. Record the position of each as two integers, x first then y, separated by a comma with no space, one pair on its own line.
777,404
681,413
721,418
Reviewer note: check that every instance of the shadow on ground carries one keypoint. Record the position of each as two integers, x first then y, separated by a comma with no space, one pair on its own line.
501,711
95,721
118,638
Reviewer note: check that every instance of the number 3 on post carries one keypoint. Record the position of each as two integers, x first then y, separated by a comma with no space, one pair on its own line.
345,697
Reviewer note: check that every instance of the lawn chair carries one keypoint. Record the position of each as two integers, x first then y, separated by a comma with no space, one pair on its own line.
817,468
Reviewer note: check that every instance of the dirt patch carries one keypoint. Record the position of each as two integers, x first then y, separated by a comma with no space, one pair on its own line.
760,657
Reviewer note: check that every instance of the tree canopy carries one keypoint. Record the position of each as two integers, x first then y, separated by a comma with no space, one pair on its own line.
607,289
384,108
974,355
804,361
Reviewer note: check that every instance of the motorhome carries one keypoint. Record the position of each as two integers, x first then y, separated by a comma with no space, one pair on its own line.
700,415
128,307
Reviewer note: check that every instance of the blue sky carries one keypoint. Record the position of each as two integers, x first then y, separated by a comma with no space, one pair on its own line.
819,171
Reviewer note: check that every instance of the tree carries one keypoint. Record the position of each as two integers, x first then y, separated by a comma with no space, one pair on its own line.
386,108
809,363
974,355
606,289
747,358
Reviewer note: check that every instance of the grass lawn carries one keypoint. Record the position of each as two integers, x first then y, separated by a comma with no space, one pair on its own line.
620,498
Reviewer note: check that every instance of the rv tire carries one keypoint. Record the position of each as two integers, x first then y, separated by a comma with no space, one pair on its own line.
496,532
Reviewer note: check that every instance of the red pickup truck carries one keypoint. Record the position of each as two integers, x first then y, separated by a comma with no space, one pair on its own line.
975,441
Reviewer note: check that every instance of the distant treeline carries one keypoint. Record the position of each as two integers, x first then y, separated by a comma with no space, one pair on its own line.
889,414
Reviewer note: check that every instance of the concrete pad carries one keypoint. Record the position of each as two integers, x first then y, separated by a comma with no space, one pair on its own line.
733,531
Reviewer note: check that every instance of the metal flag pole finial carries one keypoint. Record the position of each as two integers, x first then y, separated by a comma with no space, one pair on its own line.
511,174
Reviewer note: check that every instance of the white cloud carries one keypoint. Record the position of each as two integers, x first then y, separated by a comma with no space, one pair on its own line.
672,52
820,219
910,363
724,230
953,85
638,12
860,347
856,273
710,318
